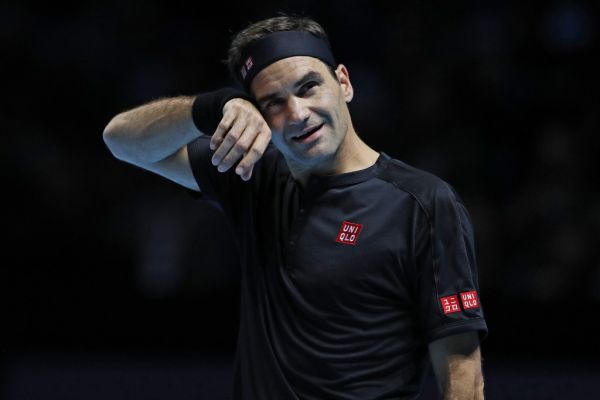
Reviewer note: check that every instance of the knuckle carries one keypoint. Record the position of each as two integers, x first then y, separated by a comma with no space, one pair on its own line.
238,102
239,147
265,128
234,108
229,140
265,139
223,125
255,152
235,135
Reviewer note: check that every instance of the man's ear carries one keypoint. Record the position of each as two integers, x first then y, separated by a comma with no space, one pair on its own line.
344,79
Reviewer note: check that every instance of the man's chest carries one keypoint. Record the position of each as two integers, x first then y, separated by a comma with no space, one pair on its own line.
344,242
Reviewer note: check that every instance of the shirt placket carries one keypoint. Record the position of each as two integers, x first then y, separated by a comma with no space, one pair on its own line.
297,227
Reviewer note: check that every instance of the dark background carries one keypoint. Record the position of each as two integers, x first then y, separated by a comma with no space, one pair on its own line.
116,284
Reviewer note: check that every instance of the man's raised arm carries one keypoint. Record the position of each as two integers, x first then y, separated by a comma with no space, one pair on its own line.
154,136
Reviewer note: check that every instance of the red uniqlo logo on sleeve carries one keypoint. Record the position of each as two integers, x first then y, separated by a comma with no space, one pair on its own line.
469,300
450,304
349,233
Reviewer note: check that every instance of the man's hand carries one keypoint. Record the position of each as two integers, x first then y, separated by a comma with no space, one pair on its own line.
242,132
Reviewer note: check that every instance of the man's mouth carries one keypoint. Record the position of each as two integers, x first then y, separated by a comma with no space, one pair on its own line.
306,134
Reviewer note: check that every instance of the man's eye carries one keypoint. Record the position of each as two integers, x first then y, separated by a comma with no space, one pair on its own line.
273,103
307,86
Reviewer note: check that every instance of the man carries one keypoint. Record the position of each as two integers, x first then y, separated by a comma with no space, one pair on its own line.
355,266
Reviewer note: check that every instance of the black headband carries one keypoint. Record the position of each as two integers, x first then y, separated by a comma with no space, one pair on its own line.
278,45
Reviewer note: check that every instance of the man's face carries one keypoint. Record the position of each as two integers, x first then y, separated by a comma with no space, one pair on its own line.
305,107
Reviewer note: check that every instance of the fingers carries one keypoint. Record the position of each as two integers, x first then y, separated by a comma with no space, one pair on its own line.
231,147
224,125
244,168
234,146
246,176
241,134
235,110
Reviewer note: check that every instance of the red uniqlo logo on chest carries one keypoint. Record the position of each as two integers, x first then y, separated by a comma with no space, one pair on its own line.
469,300
450,304
349,233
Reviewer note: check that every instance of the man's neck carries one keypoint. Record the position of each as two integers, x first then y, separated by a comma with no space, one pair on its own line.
353,155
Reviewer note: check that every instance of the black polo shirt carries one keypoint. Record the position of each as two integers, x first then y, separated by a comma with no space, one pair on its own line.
344,283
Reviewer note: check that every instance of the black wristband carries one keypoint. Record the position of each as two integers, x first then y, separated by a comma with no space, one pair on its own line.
207,109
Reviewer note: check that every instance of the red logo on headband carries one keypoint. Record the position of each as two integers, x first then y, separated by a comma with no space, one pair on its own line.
249,63
246,67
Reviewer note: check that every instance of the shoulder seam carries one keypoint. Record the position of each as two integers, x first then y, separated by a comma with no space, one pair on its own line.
414,196
396,182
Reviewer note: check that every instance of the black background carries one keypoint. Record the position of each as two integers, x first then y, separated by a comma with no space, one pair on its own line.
103,259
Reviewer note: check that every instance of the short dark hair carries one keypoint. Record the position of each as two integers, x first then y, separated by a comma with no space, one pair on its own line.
260,29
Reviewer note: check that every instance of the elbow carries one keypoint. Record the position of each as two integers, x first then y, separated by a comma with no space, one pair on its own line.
115,138
110,135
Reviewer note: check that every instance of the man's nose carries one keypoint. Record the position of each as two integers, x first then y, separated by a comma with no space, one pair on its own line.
298,111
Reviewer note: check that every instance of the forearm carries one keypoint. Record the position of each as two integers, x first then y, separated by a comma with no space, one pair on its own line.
151,132
456,363
463,379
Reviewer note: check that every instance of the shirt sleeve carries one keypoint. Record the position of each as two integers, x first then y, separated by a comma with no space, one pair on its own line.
446,271
227,190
